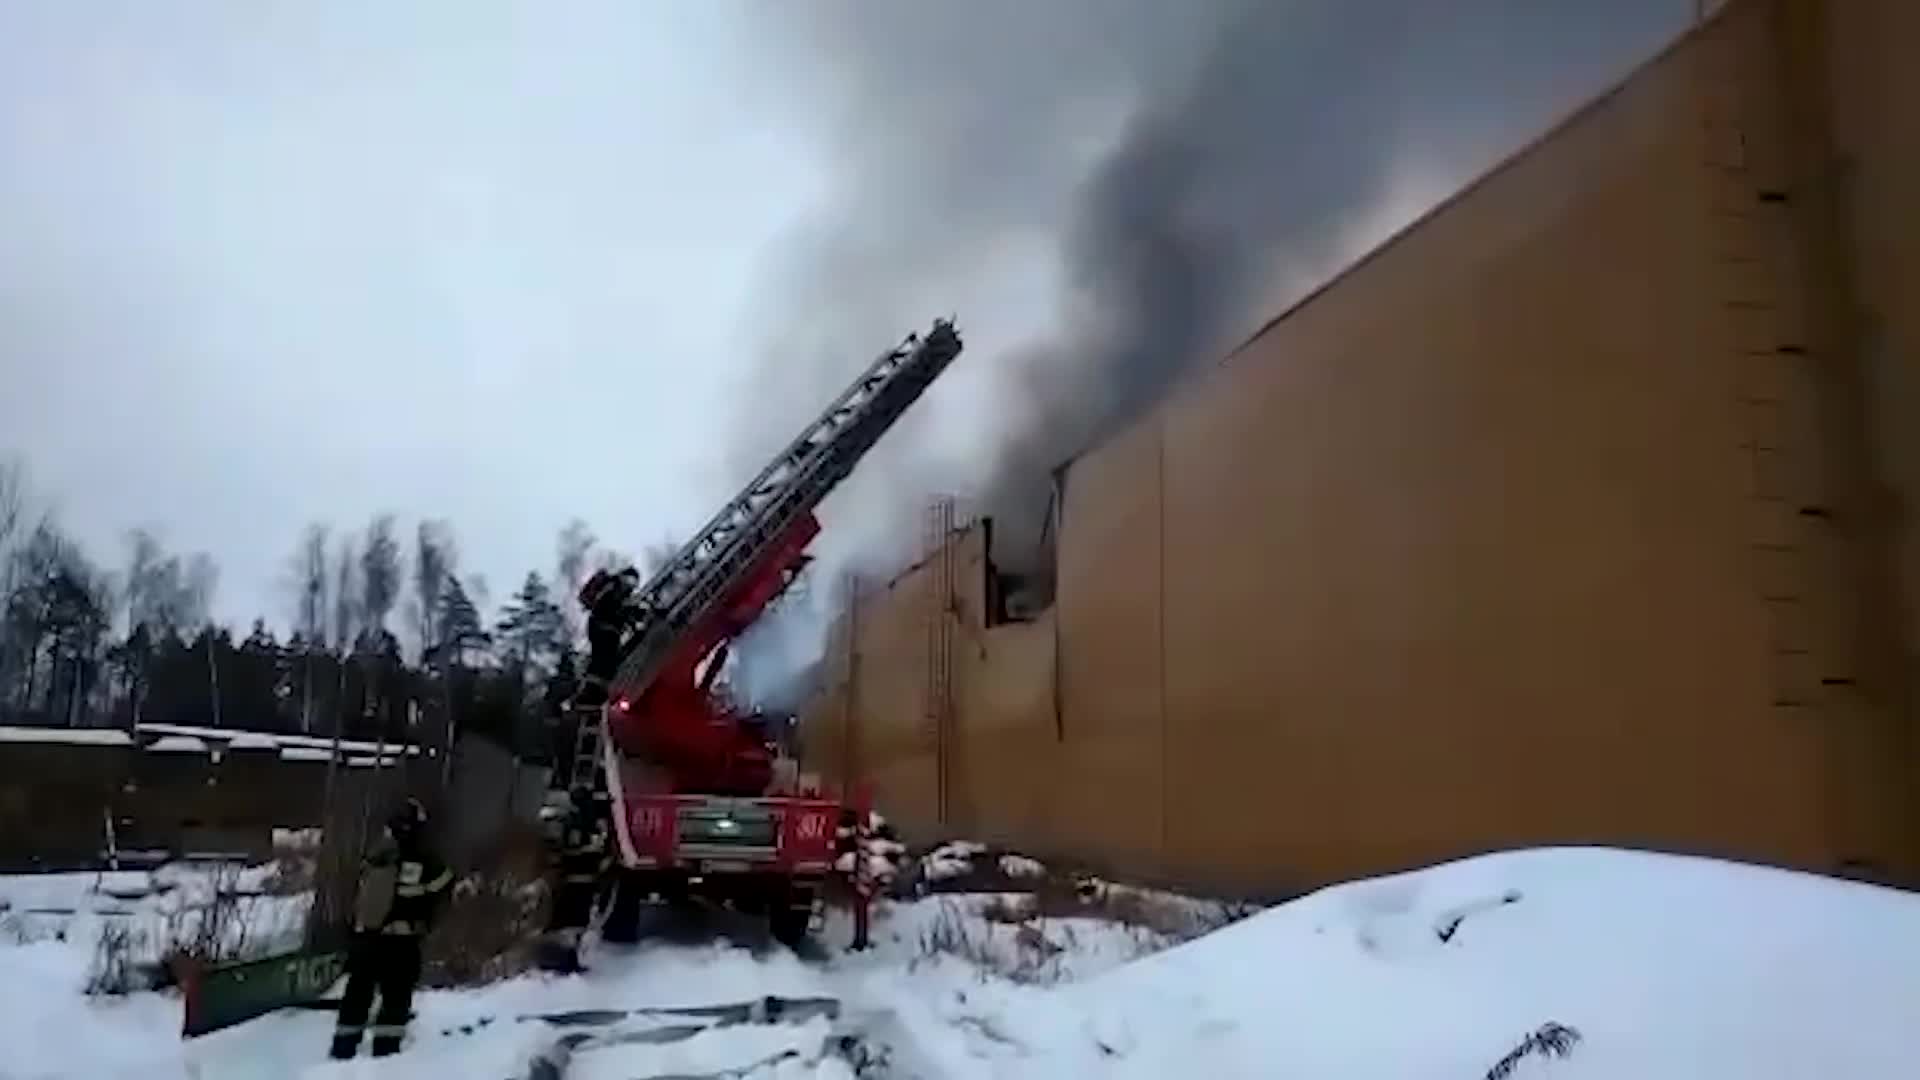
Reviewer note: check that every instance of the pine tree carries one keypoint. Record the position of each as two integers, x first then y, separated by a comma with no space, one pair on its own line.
262,681
531,629
459,621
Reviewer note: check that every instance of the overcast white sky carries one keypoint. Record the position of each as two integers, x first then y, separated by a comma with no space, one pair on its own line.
268,263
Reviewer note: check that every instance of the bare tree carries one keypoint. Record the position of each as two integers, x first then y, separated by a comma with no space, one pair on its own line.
346,626
478,592
58,614
310,583
379,574
435,556
346,594
309,574
13,500
197,586
148,596
573,550
163,593
13,509
202,577
143,561
435,559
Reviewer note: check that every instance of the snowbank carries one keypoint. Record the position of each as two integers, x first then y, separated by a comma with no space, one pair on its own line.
1666,967
1669,967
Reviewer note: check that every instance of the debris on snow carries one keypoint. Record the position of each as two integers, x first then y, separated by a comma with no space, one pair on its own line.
297,839
962,858
1020,866
935,868
1004,936
1449,922
1551,1040
873,853
958,849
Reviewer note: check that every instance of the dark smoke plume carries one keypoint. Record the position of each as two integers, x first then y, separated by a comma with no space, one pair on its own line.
1184,164
1183,167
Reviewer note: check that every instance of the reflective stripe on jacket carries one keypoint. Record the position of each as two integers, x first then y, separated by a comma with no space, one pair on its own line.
419,882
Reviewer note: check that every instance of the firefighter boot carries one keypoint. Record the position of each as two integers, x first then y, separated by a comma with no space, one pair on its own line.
345,1045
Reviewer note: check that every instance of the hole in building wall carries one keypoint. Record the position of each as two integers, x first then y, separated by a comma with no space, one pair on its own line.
1018,596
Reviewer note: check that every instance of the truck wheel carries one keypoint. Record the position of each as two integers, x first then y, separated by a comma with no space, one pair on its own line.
622,925
791,920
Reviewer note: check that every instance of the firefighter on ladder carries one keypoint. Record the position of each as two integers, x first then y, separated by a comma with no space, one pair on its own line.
402,885
581,860
607,598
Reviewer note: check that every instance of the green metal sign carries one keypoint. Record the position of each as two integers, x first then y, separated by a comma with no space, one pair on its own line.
222,995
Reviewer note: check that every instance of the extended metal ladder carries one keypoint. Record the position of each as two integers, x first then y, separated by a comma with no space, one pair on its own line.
692,585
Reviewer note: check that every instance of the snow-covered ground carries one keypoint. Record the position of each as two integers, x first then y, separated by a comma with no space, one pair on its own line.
150,908
52,931
1652,966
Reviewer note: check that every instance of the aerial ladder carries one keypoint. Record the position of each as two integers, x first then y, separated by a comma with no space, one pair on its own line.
700,808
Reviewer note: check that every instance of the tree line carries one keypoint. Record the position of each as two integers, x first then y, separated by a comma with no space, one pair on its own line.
387,638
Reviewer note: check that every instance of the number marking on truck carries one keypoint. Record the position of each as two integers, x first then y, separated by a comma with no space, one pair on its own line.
812,826
649,820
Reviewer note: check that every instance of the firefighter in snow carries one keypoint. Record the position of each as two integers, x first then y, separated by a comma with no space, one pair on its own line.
402,886
581,860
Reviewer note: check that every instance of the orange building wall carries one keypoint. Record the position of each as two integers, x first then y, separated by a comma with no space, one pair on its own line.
1560,518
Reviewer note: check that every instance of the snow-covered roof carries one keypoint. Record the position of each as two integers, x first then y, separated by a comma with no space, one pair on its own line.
190,739
262,740
69,736
177,744
350,746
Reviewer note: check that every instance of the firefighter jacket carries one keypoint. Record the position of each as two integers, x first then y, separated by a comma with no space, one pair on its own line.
583,853
401,890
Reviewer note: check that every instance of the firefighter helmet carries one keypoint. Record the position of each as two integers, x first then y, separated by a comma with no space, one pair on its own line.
407,819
